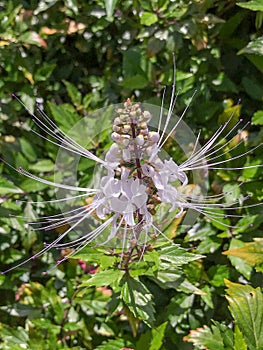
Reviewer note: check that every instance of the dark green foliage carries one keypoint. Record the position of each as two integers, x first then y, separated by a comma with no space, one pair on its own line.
74,57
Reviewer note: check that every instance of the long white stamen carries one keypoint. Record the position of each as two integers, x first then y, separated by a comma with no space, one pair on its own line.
179,120
55,184
53,200
73,145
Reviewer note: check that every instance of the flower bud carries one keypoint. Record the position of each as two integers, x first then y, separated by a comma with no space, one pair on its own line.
147,115
126,155
153,136
117,121
140,140
115,136
126,128
125,140
116,128
143,125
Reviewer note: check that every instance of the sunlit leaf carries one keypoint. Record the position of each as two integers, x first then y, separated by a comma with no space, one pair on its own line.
138,299
110,7
246,307
251,252
239,263
177,255
254,5
148,18
239,341
257,118
157,336
104,278
207,338
254,47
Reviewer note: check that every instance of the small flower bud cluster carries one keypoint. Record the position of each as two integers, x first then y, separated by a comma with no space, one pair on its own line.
131,133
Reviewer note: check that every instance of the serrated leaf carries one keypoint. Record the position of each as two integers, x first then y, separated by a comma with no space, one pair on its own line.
157,337
239,341
104,278
177,255
246,307
254,5
251,252
15,336
206,338
167,279
138,299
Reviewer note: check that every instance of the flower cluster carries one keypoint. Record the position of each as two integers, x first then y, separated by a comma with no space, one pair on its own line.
138,180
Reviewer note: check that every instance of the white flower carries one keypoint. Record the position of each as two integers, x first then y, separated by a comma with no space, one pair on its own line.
139,179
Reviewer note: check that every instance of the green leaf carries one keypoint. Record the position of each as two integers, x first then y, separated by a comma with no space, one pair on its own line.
135,82
254,5
227,335
110,7
28,149
148,18
64,115
207,338
30,185
157,336
217,274
138,299
44,72
14,337
237,262
209,245
254,47
113,344
104,278
251,252
207,296
32,38
246,307
73,92
257,118
176,255
239,341
179,308
253,88
7,187
43,165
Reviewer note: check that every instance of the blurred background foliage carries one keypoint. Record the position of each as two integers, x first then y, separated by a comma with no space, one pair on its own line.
73,57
